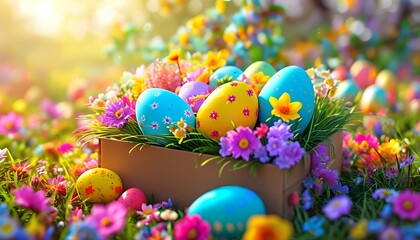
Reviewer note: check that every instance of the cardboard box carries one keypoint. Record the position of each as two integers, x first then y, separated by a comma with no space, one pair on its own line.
168,173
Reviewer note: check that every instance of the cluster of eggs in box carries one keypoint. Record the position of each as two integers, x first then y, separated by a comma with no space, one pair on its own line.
228,100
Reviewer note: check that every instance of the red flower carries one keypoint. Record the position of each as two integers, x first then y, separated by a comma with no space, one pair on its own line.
89,190
214,115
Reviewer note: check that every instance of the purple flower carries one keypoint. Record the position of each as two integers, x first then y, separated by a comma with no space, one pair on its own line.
407,205
337,207
50,108
340,189
306,200
261,154
390,232
242,142
116,114
407,161
36,201
10,123
275,146
224,147
108,219
280,130
328,175
385,193
289,156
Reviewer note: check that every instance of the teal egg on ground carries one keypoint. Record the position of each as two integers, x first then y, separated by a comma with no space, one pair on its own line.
158,108
227,209
222,75
296,82
347,90
260,66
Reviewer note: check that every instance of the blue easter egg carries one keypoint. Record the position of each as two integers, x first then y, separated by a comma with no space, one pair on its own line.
347,89
227,209
296,82
158,108
224,72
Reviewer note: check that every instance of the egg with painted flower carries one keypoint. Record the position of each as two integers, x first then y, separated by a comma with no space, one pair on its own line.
227,209
288,95
157,108
258,73
99,185
230,105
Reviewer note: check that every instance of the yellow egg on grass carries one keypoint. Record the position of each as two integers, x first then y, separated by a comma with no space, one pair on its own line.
386,80
99,185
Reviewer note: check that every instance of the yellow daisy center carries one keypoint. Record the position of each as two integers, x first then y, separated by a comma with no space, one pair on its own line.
243,143
118,114
407,205
106,221
192,234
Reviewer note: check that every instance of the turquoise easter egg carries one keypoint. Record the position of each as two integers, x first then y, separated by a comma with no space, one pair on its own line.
223,74
227,210
260,66
374,99
294,81
157,108
347,90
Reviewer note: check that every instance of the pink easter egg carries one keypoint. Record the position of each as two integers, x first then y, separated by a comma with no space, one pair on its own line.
363,73
339,73
133,198
194,93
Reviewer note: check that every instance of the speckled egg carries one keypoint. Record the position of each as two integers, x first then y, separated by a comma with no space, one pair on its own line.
347,89
232,104
133,198
363,73
221,75
99,185
194,93
260,66
158,108
296,82
373,99
227,210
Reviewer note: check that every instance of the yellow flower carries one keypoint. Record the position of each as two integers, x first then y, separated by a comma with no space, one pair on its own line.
261,227
311,72
215,60
197,24
390,150
180,133
183,39
258,80
173,56
359,230
285,109
138,87
229,38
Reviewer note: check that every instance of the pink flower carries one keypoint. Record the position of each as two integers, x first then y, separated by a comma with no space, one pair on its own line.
75,215
262,130
65,148
108,219
371,141
28,198
242,142
58,185
10,123
21,168
407,205
192,227
50,108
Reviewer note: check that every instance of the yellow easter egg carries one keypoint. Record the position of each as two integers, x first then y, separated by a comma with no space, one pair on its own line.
232,104
99,185
386,80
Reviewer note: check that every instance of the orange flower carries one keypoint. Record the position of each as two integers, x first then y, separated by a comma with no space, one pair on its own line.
173,56
260,227
285,109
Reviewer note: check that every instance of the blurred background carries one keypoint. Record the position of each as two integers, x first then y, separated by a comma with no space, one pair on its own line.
66,50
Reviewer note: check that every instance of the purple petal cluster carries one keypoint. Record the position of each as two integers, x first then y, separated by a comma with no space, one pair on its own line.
274,145
117,114
319,166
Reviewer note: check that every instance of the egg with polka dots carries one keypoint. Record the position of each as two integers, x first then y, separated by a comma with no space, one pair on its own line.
232,104
227,209
296,82
99,185
157,108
